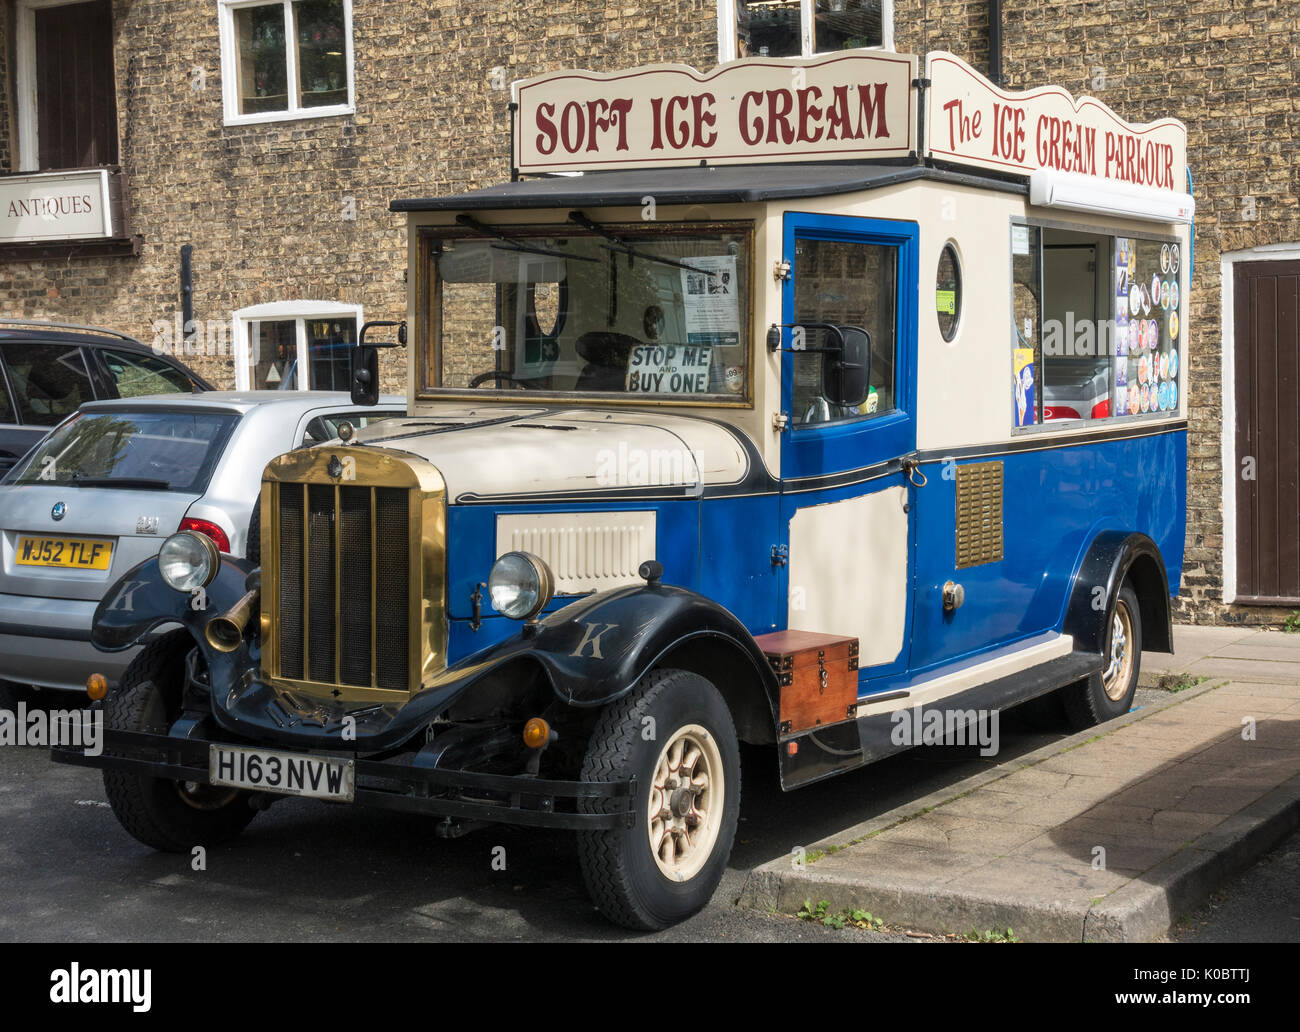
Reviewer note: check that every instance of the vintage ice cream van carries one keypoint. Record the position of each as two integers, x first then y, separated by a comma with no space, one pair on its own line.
832,395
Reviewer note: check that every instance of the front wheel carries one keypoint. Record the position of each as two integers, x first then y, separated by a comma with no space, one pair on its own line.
675,736
174,816
1109,694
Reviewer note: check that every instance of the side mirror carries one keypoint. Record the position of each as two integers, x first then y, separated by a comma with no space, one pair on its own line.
365,363
846,369
365,375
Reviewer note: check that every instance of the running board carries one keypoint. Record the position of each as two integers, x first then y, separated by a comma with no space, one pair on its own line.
883,729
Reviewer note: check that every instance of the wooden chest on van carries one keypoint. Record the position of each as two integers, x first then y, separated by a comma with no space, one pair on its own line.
818,676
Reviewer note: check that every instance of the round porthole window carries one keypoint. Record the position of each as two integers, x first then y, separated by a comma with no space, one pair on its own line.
947,292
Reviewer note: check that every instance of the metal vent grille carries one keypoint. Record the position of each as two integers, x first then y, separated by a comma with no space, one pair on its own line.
585,551
979,514
345,551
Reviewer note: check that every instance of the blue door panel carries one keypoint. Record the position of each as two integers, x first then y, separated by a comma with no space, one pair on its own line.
737,536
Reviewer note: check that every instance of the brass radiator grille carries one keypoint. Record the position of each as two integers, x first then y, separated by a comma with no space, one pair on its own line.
344,562
979,514
354,573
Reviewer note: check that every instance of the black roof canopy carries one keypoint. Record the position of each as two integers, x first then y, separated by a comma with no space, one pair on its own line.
727,184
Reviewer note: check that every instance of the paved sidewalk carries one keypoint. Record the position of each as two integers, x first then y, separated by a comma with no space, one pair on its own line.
1110,834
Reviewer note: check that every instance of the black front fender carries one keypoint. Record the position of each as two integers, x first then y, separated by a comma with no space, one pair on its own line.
599,648
142,600
590,653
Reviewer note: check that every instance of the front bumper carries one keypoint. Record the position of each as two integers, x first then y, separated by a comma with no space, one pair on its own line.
392,784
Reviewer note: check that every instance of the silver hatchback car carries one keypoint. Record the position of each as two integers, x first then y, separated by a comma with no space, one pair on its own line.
103,490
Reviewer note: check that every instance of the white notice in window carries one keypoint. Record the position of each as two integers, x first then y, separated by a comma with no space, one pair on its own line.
712,301
668,369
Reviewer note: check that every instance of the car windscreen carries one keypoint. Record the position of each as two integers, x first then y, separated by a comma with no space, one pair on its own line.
151,450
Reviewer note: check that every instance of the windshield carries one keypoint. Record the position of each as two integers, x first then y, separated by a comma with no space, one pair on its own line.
659,313
164,451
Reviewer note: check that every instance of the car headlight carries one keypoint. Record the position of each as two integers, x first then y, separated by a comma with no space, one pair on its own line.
520,585
188,560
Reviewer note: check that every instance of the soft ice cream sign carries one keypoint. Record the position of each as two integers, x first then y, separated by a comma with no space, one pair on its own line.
857,105
55,206
971,122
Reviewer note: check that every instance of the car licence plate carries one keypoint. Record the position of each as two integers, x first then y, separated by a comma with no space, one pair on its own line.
64,553
284,773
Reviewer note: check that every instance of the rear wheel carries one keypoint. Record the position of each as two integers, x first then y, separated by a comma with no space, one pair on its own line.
174,816
1109,693
674,734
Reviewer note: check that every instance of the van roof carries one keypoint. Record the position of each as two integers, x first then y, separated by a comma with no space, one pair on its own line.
725,184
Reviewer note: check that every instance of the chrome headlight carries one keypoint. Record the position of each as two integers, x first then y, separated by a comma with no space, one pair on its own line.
520,585
188,560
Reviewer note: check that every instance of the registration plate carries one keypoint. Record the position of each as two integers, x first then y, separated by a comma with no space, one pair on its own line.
64,553
285,773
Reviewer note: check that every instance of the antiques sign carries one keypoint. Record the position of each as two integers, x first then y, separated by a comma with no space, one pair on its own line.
54,206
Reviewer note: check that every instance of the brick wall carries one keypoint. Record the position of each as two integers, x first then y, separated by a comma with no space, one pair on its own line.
263,204
1228,69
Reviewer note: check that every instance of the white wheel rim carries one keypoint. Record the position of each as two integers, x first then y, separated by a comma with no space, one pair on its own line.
1119,669
687,795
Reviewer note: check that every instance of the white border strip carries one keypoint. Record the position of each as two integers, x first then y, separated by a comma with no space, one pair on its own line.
927,693
1229,459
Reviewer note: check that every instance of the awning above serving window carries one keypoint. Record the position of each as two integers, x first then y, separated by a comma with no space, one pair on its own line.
731,184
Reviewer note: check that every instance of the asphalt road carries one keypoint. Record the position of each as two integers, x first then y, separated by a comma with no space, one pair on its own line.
307,871
1261,904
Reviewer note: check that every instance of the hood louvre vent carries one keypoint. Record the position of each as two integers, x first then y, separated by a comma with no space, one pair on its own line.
586,551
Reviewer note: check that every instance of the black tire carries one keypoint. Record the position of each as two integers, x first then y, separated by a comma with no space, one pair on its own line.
253,542
1088,703
10,695
161,813
619,866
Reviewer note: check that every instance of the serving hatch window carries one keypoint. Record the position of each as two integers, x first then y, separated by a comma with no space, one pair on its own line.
1097,325
658,314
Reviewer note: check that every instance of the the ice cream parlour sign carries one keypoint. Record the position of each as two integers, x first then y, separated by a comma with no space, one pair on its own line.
970,121
851,106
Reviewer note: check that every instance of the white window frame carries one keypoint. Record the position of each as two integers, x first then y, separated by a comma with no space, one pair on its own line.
29,144
727,28
244,323
230,65
1230,461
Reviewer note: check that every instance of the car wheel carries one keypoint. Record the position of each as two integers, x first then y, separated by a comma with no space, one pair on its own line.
1109,693
10,695
174,816
675,736
253,542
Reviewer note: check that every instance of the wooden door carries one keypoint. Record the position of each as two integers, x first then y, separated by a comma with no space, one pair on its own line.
76,106
1266,334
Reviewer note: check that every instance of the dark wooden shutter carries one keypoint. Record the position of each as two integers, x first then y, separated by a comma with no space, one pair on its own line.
1266,332
76,105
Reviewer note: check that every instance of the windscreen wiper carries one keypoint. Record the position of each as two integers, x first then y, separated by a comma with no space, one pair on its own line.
506,243
621,246
136,483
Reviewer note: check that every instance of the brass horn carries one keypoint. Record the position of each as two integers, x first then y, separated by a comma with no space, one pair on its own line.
225,632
